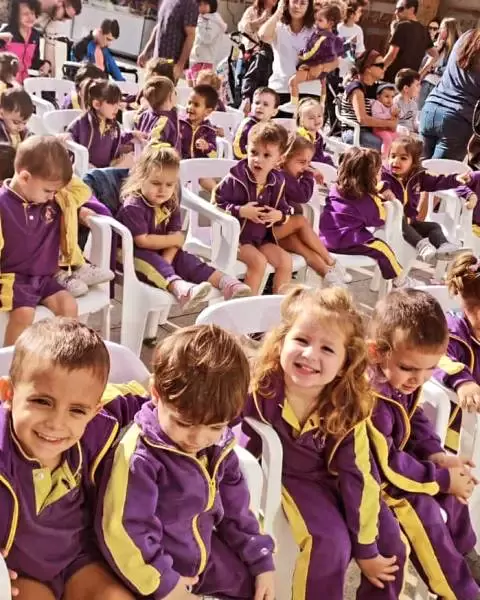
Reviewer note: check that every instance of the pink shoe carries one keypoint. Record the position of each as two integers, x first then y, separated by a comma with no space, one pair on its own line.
236,289
195,295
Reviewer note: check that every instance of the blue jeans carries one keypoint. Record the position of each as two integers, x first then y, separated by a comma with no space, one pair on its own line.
425,90
445,133
367,139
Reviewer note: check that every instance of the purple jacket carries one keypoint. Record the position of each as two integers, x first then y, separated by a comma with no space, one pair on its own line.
46,517
403,438
239,187
298,191
322,47
465,191
159,507
345,465
241,137
162,126
190,136
344,221
141,218
422,181
320,154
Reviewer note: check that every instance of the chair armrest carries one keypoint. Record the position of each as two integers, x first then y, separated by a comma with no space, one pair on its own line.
81,157
41,106
224,148
5,586
101,241
436,400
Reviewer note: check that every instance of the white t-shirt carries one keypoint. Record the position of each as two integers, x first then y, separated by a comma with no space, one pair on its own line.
347,33
286,48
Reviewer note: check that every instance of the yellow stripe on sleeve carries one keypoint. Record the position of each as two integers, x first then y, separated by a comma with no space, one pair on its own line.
370,500
237,150
113,390
313,50
451,367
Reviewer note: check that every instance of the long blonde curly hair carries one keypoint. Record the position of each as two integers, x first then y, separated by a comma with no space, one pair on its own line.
345,401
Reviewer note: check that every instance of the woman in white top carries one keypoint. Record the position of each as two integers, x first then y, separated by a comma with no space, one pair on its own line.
351,32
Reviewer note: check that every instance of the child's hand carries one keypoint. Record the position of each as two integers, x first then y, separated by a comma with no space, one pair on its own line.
471,201
461,483
44,70
252,211
379,569
318,176
265,586
271,215
13,576
84,215
246,107
177,239
469,396
464,178
449,461
395,112
219,131
202,145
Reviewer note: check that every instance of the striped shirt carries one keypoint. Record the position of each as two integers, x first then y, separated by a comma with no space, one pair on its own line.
346,106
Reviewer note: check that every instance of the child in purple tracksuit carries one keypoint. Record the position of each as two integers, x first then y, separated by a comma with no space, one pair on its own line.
406,179
408,337
151,212
16,108
471,194
57,423
353,206
264,107
173,507
86,71
254,193
309,384
310,119
198,135
159,122
208,77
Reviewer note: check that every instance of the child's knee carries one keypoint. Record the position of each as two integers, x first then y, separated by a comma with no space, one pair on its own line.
64,305
22,316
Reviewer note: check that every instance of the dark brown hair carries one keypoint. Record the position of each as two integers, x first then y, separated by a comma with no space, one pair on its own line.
351,9
208,93
298,144
8,66
269,133
100,90
331,11
64,343
414,148
463,277
308,19
45,157
469,52
110,26
157,90
358,172
202,372
88,71
406,77
267,90
17,100
160,66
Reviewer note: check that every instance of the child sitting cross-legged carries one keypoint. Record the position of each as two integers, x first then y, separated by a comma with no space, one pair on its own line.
57,423
151,211
264,107
173,512
16,107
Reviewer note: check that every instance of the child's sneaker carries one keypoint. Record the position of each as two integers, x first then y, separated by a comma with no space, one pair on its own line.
190,295
93,275
289,107
236,289
448,251
342,271
75,286
406,282
333,278
473,561
426,251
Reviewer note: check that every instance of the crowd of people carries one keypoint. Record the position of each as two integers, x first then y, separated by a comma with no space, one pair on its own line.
116,492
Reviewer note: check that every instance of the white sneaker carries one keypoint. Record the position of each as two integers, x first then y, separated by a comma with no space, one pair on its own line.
195,295
289,107
342,271
333,278
75,286
406,282
93,275
448,251
426,251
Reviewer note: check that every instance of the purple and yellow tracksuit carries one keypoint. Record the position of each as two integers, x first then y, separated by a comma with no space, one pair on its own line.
164,513
317,140
465,191
239,187
402,439
241,137
323,47
8,138
162,126
190,135
331,497
46,520
298,190
344,224
143,218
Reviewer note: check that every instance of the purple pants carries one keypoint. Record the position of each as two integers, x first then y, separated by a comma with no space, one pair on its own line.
19,291
380,252
315,515
438,547
152,268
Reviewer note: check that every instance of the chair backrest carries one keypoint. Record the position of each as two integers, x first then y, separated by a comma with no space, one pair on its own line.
228,121
289,124
224,148
80,158
41,106
193,169
329,173
36,125
37,85
445,166
128,119
183,94
128,87
5,587
57,121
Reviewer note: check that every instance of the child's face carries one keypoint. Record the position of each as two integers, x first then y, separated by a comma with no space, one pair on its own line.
160,185
196,108
189,438
298,163
399,160
14,122
263,107
37,190
412,91
26,16
262,158
203,8
313,354
322,22
106,110
105,39
386,97
472,312
51,408
311,118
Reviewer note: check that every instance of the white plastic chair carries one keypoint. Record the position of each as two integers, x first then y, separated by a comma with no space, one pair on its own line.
37,85
228,121
224,148
319,193
5,587
128,119
345,121
57,121
36,125
289,124
41,106
81,158
336,147
128,87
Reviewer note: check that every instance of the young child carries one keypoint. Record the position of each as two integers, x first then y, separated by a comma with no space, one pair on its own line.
7,161
309,121
198,136
406,179
16,107
353,206
420,482
383,108
9,66
323,47
264,107
98,129
160,120
155,66
470,192
209,31
407,82
54,434
176,476
297,235
309,384
254,193
209,77
86,71
151,212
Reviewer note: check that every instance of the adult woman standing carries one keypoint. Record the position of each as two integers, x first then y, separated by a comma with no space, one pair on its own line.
355,105
446,120
448,35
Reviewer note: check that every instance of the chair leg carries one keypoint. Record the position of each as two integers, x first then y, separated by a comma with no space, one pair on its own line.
376,280
440,269
106,322
134,320
151,328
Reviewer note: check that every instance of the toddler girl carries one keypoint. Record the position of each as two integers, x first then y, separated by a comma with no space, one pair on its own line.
310,120
353,206
406,178
151,212
382,108
420,482
309,384
9,66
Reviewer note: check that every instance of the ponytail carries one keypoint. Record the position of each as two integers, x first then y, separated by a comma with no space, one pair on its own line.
463,277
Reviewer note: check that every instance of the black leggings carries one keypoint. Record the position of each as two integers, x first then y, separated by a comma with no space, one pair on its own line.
416,231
